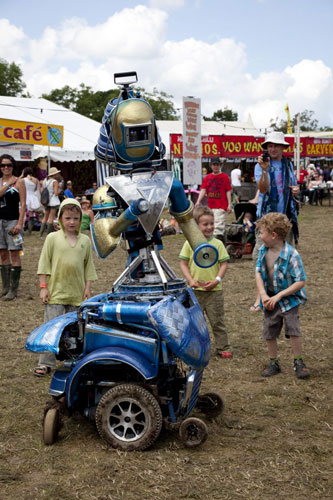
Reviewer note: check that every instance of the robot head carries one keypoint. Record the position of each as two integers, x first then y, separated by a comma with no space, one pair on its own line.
129,137
133,130
101,200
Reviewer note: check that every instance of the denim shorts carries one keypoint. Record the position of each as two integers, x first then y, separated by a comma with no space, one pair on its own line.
273,322
6,240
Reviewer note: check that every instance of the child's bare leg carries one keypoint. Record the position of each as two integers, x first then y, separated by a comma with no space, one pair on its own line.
296,345
272,348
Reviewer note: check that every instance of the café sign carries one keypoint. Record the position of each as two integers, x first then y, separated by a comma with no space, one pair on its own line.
43,134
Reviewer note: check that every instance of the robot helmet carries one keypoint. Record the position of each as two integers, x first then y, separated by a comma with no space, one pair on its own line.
101,200
133,130
129,137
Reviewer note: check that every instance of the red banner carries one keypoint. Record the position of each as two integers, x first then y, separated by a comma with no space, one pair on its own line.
210,145
233,146
315,147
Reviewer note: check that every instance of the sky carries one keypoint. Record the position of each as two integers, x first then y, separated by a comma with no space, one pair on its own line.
251,56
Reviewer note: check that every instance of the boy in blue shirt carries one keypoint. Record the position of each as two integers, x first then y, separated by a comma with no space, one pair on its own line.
280,279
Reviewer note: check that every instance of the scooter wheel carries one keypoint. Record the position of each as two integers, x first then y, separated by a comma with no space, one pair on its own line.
51,426
193,432
129,417
210,403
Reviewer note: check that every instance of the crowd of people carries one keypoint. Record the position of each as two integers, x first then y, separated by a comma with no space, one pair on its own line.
279,272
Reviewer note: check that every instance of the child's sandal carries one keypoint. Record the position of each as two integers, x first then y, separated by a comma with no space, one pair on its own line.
255,308
41,370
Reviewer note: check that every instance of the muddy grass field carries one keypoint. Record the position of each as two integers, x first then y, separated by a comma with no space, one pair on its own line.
273,440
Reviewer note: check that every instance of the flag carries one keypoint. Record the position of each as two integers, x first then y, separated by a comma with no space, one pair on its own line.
289,127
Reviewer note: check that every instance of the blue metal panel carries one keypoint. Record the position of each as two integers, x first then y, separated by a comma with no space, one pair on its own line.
195,392
147,368
46,337
183,329
97,337
58,383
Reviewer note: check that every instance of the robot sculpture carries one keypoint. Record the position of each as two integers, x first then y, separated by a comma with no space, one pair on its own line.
134,357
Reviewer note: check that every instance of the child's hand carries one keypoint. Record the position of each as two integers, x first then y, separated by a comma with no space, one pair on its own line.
44,295
209,285
193,284
270,302
87,293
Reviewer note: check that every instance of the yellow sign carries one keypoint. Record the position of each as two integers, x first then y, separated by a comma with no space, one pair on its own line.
31,133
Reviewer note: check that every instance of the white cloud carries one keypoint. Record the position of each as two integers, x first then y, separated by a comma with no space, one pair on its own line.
135,39
12,42
130,33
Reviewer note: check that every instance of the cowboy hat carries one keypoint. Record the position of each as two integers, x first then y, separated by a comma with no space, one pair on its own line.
53,171
275,138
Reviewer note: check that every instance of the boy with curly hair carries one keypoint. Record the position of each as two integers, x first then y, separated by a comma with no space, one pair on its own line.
207,283
280,279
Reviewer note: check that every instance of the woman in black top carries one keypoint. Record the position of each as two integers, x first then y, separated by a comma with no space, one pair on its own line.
12,215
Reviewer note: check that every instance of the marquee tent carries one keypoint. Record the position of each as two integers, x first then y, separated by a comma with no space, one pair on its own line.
80,133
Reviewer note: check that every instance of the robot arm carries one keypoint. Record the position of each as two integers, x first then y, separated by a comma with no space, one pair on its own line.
106,231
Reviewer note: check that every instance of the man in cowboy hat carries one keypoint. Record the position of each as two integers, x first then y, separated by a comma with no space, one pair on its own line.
276,182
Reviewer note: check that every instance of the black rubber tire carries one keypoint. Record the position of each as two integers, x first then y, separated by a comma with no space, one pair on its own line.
193,432
51,426
128,417
210,403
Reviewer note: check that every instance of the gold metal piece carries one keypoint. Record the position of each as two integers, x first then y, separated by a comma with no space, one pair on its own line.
131,112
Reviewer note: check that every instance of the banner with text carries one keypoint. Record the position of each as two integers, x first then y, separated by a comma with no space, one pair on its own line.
191,141
234,146
210,145
31,133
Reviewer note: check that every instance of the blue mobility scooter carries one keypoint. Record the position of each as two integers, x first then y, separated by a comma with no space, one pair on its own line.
133,358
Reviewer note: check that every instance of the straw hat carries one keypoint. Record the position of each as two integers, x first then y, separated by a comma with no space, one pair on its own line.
53,171
85,200
275,138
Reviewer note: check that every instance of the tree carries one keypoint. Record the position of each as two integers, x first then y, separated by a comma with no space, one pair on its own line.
11,83
307,122
225,115
92,104
82,100
161,104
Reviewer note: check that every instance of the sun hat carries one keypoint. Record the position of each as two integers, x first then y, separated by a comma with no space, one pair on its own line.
275,138
85,200
53,171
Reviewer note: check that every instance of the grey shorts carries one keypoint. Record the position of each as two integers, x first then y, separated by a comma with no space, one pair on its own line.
6,240
273,322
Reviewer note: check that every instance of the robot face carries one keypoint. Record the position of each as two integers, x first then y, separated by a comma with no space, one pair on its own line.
133,131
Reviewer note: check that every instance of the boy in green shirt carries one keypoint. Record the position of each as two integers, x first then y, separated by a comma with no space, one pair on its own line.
65,270
207,283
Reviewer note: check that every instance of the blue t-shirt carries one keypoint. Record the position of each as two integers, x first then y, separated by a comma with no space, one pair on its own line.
277,184
68,193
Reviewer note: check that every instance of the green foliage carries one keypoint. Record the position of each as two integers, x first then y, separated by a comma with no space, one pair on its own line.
225,115
92,104
161,104
11,83
82,100
307,122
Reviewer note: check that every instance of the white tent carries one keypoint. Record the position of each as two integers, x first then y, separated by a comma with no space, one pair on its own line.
80,133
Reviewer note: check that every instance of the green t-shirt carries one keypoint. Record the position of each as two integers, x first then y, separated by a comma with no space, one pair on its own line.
209,273
68,268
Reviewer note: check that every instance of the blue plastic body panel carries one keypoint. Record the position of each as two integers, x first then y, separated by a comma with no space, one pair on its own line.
46,337
148,370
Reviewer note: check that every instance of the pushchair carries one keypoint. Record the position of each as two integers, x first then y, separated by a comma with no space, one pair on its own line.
239,238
